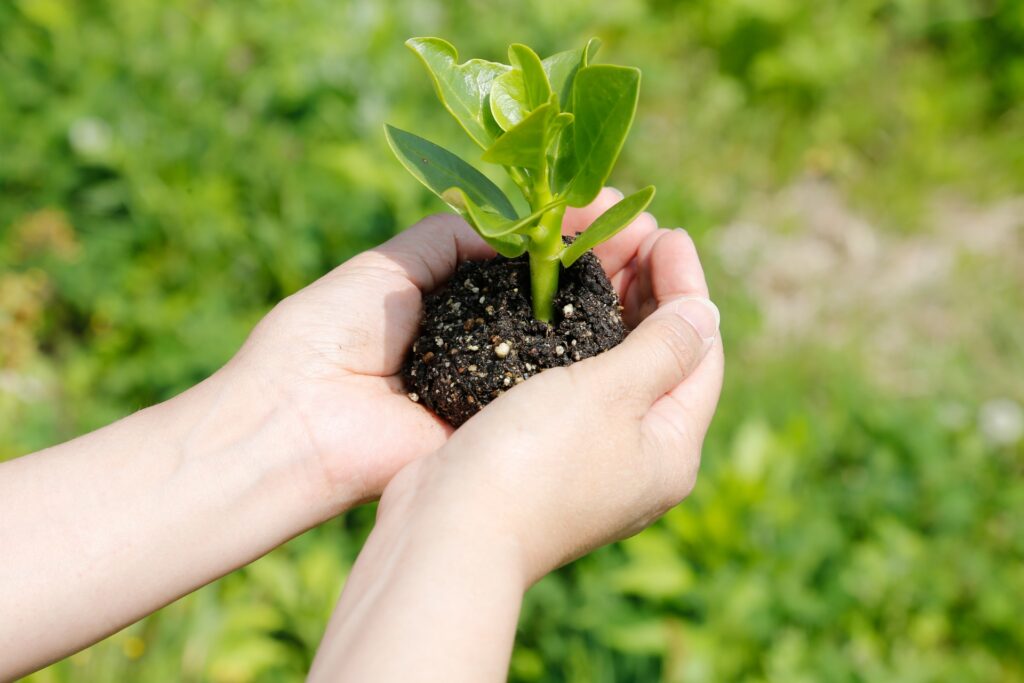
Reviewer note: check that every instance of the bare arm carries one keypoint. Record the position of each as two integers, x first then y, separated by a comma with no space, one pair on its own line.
308,419
434,596
104,529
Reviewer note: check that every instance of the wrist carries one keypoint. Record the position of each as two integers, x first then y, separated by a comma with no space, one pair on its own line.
444,515
433,579
233,426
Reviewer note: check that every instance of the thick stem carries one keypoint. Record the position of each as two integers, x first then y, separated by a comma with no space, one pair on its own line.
544,263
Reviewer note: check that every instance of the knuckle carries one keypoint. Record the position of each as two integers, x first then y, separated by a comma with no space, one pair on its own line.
678,342
646,218
371,261
438,221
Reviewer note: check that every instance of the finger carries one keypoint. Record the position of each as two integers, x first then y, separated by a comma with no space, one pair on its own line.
682,416
619,251
659,354
676,425
666,267
429,251
674,267
579,219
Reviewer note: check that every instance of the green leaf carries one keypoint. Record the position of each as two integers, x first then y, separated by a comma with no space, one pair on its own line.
518,92
463,89
508,246
608,224
561,69
560,153
524,145
439,170
535,80
508,99
563,163
604,103
561,121
490,226
488,223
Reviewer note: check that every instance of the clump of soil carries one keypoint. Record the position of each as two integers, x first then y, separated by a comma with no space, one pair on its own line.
479,338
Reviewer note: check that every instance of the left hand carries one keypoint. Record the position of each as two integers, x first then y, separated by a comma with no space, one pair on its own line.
327,360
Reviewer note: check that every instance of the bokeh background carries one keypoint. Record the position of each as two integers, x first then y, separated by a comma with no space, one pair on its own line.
853,172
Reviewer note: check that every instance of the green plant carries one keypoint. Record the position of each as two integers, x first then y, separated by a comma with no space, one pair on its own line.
555,125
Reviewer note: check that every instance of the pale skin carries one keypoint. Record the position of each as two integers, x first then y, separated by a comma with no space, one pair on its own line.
310,419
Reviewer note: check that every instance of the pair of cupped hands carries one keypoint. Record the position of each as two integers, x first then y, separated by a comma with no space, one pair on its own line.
310,418
568,461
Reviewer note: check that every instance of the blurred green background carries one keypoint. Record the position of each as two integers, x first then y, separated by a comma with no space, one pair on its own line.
852,171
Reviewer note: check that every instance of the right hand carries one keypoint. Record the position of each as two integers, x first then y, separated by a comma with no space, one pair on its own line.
584,455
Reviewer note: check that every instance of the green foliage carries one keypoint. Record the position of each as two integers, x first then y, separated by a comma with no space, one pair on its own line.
440,170
526,143
604,103
555,157
608,224
464,89
171,170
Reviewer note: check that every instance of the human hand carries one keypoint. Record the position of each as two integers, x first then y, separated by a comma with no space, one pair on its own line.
326,360
583,455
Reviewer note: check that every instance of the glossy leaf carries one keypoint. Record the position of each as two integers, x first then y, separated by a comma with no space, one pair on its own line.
508,246
608,224
561,69
488,223
464,89
563,162
440,170
560,121
604,104
535,80
508,99
518,92
524,145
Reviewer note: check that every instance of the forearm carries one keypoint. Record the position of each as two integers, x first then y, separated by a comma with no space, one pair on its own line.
434,596
102,530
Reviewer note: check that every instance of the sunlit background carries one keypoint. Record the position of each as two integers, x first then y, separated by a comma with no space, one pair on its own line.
853,172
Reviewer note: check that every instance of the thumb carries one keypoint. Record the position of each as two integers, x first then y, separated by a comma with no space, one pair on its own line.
662,351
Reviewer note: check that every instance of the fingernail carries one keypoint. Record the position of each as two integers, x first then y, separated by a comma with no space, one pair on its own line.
701,314
617,191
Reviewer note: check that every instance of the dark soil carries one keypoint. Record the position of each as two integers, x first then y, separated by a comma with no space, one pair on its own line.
479,337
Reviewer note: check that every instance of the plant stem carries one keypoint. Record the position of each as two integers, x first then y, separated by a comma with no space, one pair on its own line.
546,245
544,270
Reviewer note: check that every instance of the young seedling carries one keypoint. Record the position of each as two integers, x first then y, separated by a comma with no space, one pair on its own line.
555,125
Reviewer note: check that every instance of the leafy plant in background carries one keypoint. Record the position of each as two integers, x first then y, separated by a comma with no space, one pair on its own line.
555,125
